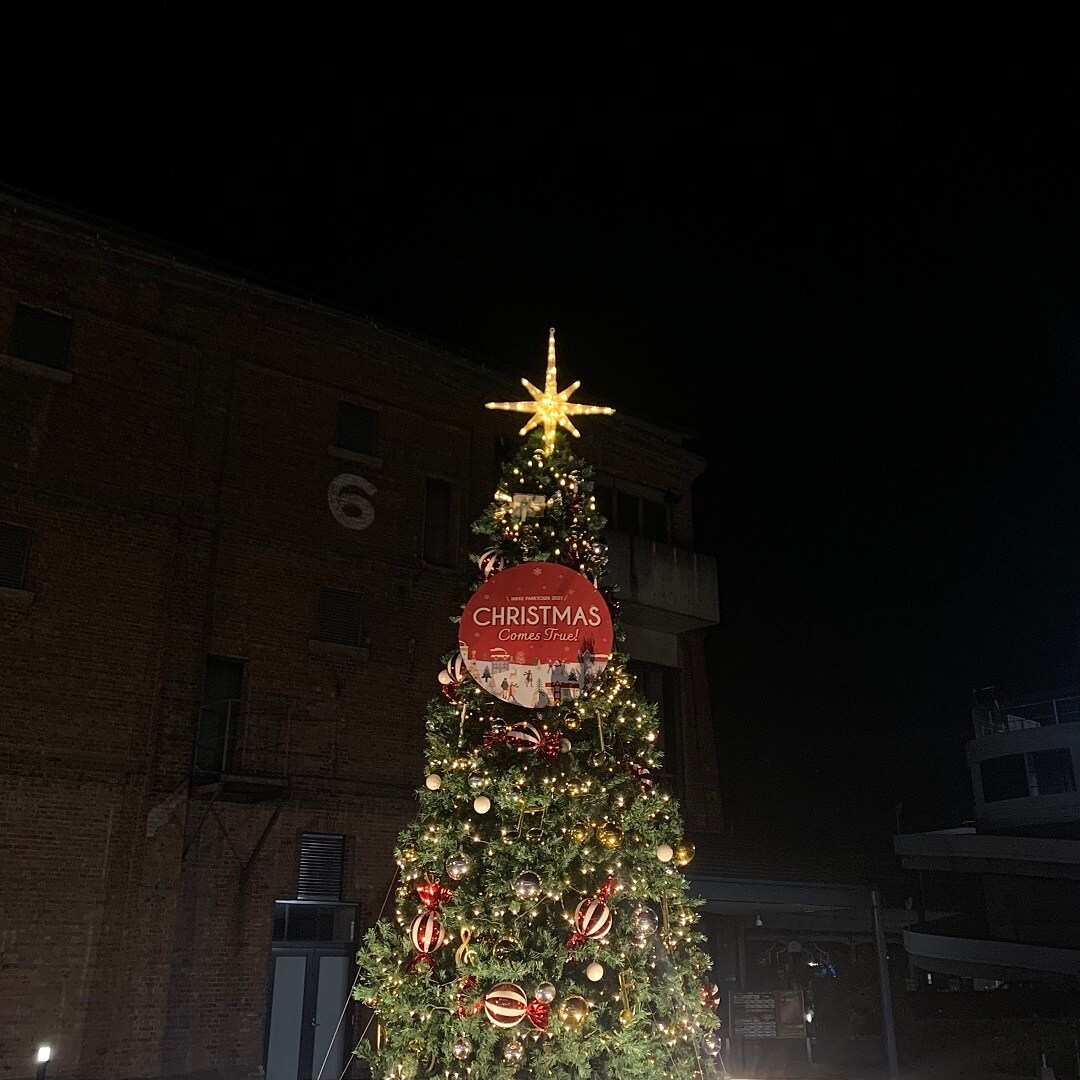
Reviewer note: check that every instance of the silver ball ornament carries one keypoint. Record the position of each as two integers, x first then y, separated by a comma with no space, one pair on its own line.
462,1048
644,922
459,866
545,993
514,1053
527,886
477,781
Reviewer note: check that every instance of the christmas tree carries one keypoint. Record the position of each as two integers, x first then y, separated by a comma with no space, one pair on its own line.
542,927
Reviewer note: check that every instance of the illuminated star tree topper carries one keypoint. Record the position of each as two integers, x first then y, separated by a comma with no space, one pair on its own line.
551,407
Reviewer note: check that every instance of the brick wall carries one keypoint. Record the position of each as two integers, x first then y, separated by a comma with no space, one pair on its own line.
177,488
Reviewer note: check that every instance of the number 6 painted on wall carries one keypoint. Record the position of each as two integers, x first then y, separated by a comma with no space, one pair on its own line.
350,509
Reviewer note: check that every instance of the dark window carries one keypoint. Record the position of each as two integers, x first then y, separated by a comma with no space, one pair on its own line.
654,520
357,428
658,684
14,547
40,336
506,447
1004,778
1051,772
219,715
627,513
300,921
437,523
339,617
632,514
322,857
605,504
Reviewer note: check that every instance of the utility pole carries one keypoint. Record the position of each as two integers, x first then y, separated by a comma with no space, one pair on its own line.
886,986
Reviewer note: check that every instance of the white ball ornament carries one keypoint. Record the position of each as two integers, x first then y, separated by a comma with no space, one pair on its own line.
564,746
444,677
594,972
433,782
481,804
665,853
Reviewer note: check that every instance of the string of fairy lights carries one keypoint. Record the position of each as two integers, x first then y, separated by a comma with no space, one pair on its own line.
540,918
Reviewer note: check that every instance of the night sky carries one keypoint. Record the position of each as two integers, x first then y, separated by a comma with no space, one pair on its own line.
846,254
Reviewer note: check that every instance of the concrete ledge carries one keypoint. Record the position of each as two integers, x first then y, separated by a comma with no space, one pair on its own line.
331,648
987,956
352,455
28,367
20,598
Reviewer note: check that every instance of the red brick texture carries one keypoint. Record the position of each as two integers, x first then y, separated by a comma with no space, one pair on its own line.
176,489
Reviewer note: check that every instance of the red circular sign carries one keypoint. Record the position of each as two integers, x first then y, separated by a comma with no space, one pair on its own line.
536,634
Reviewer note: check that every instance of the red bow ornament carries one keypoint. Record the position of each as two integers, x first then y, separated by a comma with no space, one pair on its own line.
464,1007
539,1014
433,895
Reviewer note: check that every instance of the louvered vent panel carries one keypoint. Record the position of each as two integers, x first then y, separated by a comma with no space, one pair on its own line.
321,859
339,616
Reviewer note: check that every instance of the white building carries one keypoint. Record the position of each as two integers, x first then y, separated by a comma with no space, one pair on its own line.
1021,857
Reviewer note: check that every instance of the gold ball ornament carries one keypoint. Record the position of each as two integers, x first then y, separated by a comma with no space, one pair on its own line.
408,854
609,835
684,853
580,833
573,1011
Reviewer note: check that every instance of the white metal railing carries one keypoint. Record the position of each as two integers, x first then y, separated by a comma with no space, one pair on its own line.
993,718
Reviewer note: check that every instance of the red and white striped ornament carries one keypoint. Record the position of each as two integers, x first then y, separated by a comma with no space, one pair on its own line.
523,736
505,1005
456,668
491,562
592,919
427,933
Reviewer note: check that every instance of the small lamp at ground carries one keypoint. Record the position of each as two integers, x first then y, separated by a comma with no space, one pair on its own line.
44,1052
